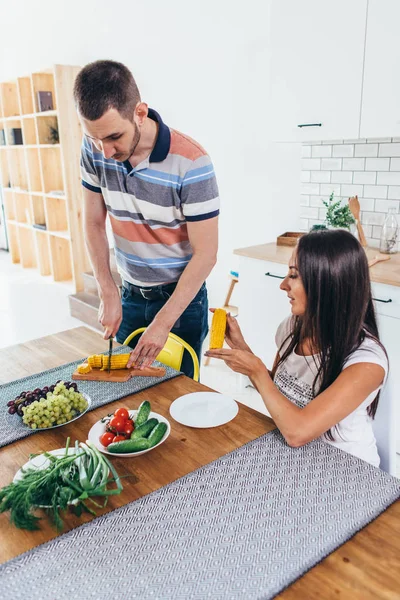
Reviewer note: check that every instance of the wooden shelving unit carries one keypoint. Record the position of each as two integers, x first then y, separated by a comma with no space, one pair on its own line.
40,180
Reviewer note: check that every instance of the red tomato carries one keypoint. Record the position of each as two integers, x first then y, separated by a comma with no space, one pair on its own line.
117,424
122,413
106,438
128,428
119,438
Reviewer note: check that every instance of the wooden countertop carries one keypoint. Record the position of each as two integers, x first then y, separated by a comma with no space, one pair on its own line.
366,567
385,272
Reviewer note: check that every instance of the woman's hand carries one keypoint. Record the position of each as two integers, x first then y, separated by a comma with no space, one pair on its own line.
241,361
233,335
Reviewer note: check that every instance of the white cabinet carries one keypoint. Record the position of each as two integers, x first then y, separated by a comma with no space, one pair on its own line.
380,114
317,52
262,305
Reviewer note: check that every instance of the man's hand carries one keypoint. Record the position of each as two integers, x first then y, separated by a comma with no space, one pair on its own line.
149,346
110,313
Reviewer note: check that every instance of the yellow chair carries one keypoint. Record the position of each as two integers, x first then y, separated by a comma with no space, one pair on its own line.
172,353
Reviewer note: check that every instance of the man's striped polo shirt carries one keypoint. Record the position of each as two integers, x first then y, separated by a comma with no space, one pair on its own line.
149,205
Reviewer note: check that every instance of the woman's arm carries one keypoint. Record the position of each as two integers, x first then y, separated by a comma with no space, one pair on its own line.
301,425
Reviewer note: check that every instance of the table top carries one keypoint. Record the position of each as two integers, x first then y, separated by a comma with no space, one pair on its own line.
387,272
367,566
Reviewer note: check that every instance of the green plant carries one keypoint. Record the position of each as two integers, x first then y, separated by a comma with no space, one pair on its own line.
53,135
337,215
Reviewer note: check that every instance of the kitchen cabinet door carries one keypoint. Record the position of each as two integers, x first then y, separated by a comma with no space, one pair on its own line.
262,305
317,51
380,111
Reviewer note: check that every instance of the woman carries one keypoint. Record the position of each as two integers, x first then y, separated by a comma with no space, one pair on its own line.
330,364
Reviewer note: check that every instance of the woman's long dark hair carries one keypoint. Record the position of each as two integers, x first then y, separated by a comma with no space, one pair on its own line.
340,313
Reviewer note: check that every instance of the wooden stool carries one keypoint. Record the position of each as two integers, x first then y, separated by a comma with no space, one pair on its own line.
234,310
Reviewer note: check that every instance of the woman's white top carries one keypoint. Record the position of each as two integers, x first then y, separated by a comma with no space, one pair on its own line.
295,377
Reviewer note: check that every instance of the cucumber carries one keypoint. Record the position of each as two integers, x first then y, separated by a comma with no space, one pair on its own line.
143,431
143,413
129,446
157,434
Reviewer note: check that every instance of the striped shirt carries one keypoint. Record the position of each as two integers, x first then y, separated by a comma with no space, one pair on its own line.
149,205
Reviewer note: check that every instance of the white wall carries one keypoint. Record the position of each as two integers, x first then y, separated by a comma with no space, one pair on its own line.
205,68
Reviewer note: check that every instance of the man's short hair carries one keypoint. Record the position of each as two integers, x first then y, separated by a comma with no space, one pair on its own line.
102,85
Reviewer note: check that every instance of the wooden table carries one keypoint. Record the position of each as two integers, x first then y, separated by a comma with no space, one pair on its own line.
367,567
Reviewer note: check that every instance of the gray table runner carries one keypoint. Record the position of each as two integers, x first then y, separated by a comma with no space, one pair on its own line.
11,426
242,527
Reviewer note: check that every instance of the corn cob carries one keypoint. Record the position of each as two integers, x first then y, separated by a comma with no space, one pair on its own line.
84,368
218,327
95,361
118,361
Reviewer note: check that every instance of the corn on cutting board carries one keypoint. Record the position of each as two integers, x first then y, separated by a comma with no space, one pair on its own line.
118,375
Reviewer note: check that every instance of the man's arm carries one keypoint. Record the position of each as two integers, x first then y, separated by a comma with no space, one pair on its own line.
95,213
203,237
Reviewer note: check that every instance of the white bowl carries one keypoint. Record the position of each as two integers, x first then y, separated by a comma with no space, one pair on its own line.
99,428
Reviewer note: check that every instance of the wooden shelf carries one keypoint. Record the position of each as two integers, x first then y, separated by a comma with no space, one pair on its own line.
32,173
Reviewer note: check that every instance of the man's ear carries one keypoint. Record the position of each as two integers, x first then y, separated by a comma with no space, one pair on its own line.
141,112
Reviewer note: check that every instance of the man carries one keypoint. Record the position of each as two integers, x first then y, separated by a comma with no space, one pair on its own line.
159,189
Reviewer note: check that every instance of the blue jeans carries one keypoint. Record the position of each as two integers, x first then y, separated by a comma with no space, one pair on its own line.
192,325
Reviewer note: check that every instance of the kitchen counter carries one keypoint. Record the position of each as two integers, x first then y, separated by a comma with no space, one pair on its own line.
385,272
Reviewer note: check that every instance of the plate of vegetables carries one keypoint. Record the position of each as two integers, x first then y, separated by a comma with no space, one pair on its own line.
130,432
67,477
51,406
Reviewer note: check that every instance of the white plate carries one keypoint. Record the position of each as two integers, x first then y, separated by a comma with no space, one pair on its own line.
99,428
89,403
204,409
40,462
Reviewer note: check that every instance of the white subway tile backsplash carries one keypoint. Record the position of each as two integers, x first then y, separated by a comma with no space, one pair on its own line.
320,177
351,190
353,164
331,164
341,176
310,188
368,168
375,191
384,205
395,164
344,150
377,164
391,178
303,225
376,232
316,201
308,212
394,192
304,200
311,164
366,150
327,188
368,177
389,149
321,151
378,140
372,218
367,204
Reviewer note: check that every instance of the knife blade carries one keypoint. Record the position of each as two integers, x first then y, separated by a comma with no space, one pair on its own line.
110,349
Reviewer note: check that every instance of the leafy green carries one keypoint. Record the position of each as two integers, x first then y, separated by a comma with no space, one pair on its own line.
336,214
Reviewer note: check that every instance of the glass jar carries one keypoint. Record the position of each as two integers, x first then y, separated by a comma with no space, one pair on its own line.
390,233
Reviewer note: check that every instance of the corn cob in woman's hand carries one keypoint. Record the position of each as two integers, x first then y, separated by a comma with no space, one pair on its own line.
218,327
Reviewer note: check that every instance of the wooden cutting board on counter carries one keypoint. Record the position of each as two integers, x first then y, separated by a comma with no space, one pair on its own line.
118,375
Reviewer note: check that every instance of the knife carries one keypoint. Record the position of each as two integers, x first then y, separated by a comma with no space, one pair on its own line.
110,348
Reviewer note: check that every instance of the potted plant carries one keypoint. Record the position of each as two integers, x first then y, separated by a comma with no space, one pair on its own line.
338,216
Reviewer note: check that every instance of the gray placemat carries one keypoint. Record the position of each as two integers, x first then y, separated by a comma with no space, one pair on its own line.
100,393
244,526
